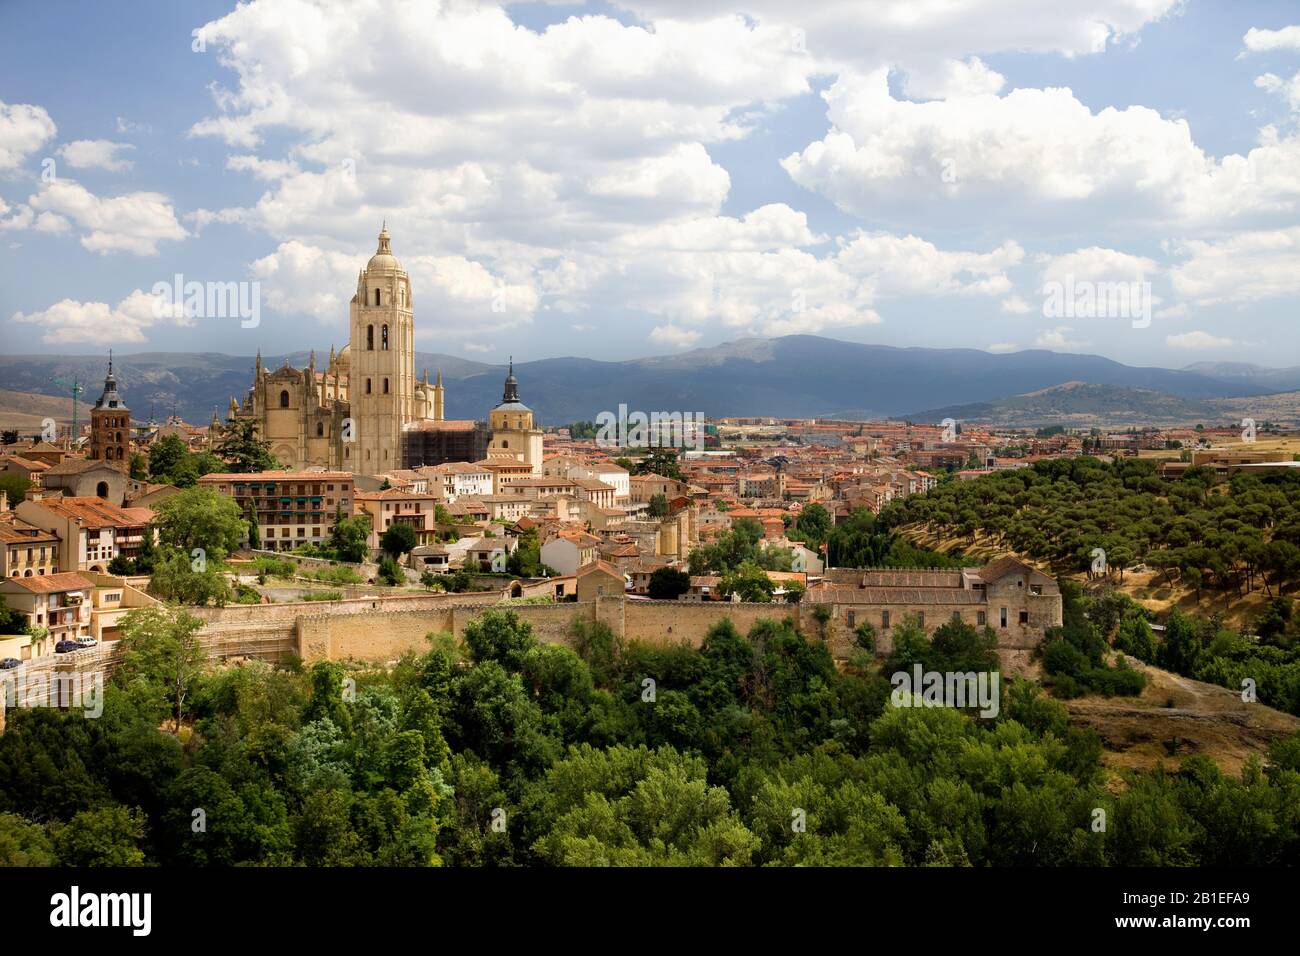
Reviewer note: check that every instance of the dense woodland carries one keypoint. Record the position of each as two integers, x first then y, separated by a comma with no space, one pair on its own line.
752,750
1198,530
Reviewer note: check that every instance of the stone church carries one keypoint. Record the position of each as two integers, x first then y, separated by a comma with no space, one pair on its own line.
350,416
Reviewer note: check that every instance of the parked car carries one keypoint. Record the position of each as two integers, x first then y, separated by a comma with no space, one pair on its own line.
86,641
9,663
66,647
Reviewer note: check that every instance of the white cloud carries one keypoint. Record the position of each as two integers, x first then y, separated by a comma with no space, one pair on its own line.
1244,268
1038,155
69,321
1098,264
476,347
1257,40
1015,305
450,292
1001,347
1289,90
955,79
909,265
672,335
1057,338
96,154
24,129
132,222
1197,340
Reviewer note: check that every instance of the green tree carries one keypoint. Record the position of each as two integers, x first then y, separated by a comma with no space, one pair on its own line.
398,539
348,537
14,487
749,581
161,652
106,836
243,450
390,572
166,456
667,584
814,524
203,519
658,507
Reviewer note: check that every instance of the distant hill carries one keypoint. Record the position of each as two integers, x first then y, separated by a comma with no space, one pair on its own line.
796,376
1087,405
26,411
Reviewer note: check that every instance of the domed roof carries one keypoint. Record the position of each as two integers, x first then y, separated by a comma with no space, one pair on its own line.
383,260
345,355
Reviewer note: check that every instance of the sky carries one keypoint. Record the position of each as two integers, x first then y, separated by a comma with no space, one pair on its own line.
616,180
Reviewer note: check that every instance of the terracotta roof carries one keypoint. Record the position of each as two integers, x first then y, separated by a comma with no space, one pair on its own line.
277,476
50,583
16,530
31,464
602,566
94,512
75,466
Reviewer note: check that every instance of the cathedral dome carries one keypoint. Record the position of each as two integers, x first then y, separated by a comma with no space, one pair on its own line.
345,357
383,260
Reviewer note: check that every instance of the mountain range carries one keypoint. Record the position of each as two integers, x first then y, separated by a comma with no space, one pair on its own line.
801,376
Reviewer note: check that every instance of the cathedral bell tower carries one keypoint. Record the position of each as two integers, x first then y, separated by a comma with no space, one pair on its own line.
381,386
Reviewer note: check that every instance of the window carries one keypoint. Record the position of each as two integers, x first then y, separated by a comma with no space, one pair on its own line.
385,386
320,429
1003,618
852,618
383,337
920,618
284,398
981,618
1036,589
1024,617
376,297
884,620
370,338
367,386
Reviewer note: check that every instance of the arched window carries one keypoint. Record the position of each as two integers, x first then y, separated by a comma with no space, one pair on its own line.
101,489
376,297
320,429
367,386
383,338
370,338
505,444
385,386
119,436
284,398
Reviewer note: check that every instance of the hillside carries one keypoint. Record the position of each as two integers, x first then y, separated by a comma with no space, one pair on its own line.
791,376
1090,405
1174,718
26,410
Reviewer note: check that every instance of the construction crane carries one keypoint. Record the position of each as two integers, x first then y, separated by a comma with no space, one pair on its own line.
75,387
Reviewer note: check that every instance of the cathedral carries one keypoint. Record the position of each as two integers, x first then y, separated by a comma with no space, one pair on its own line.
351,415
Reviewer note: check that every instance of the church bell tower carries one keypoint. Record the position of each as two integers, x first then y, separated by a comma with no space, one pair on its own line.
382,381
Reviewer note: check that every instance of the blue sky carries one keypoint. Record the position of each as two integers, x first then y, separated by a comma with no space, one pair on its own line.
624,180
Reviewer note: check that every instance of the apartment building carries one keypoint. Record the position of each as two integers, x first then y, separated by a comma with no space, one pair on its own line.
293,508
391,506
56,607
91,531
26,550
